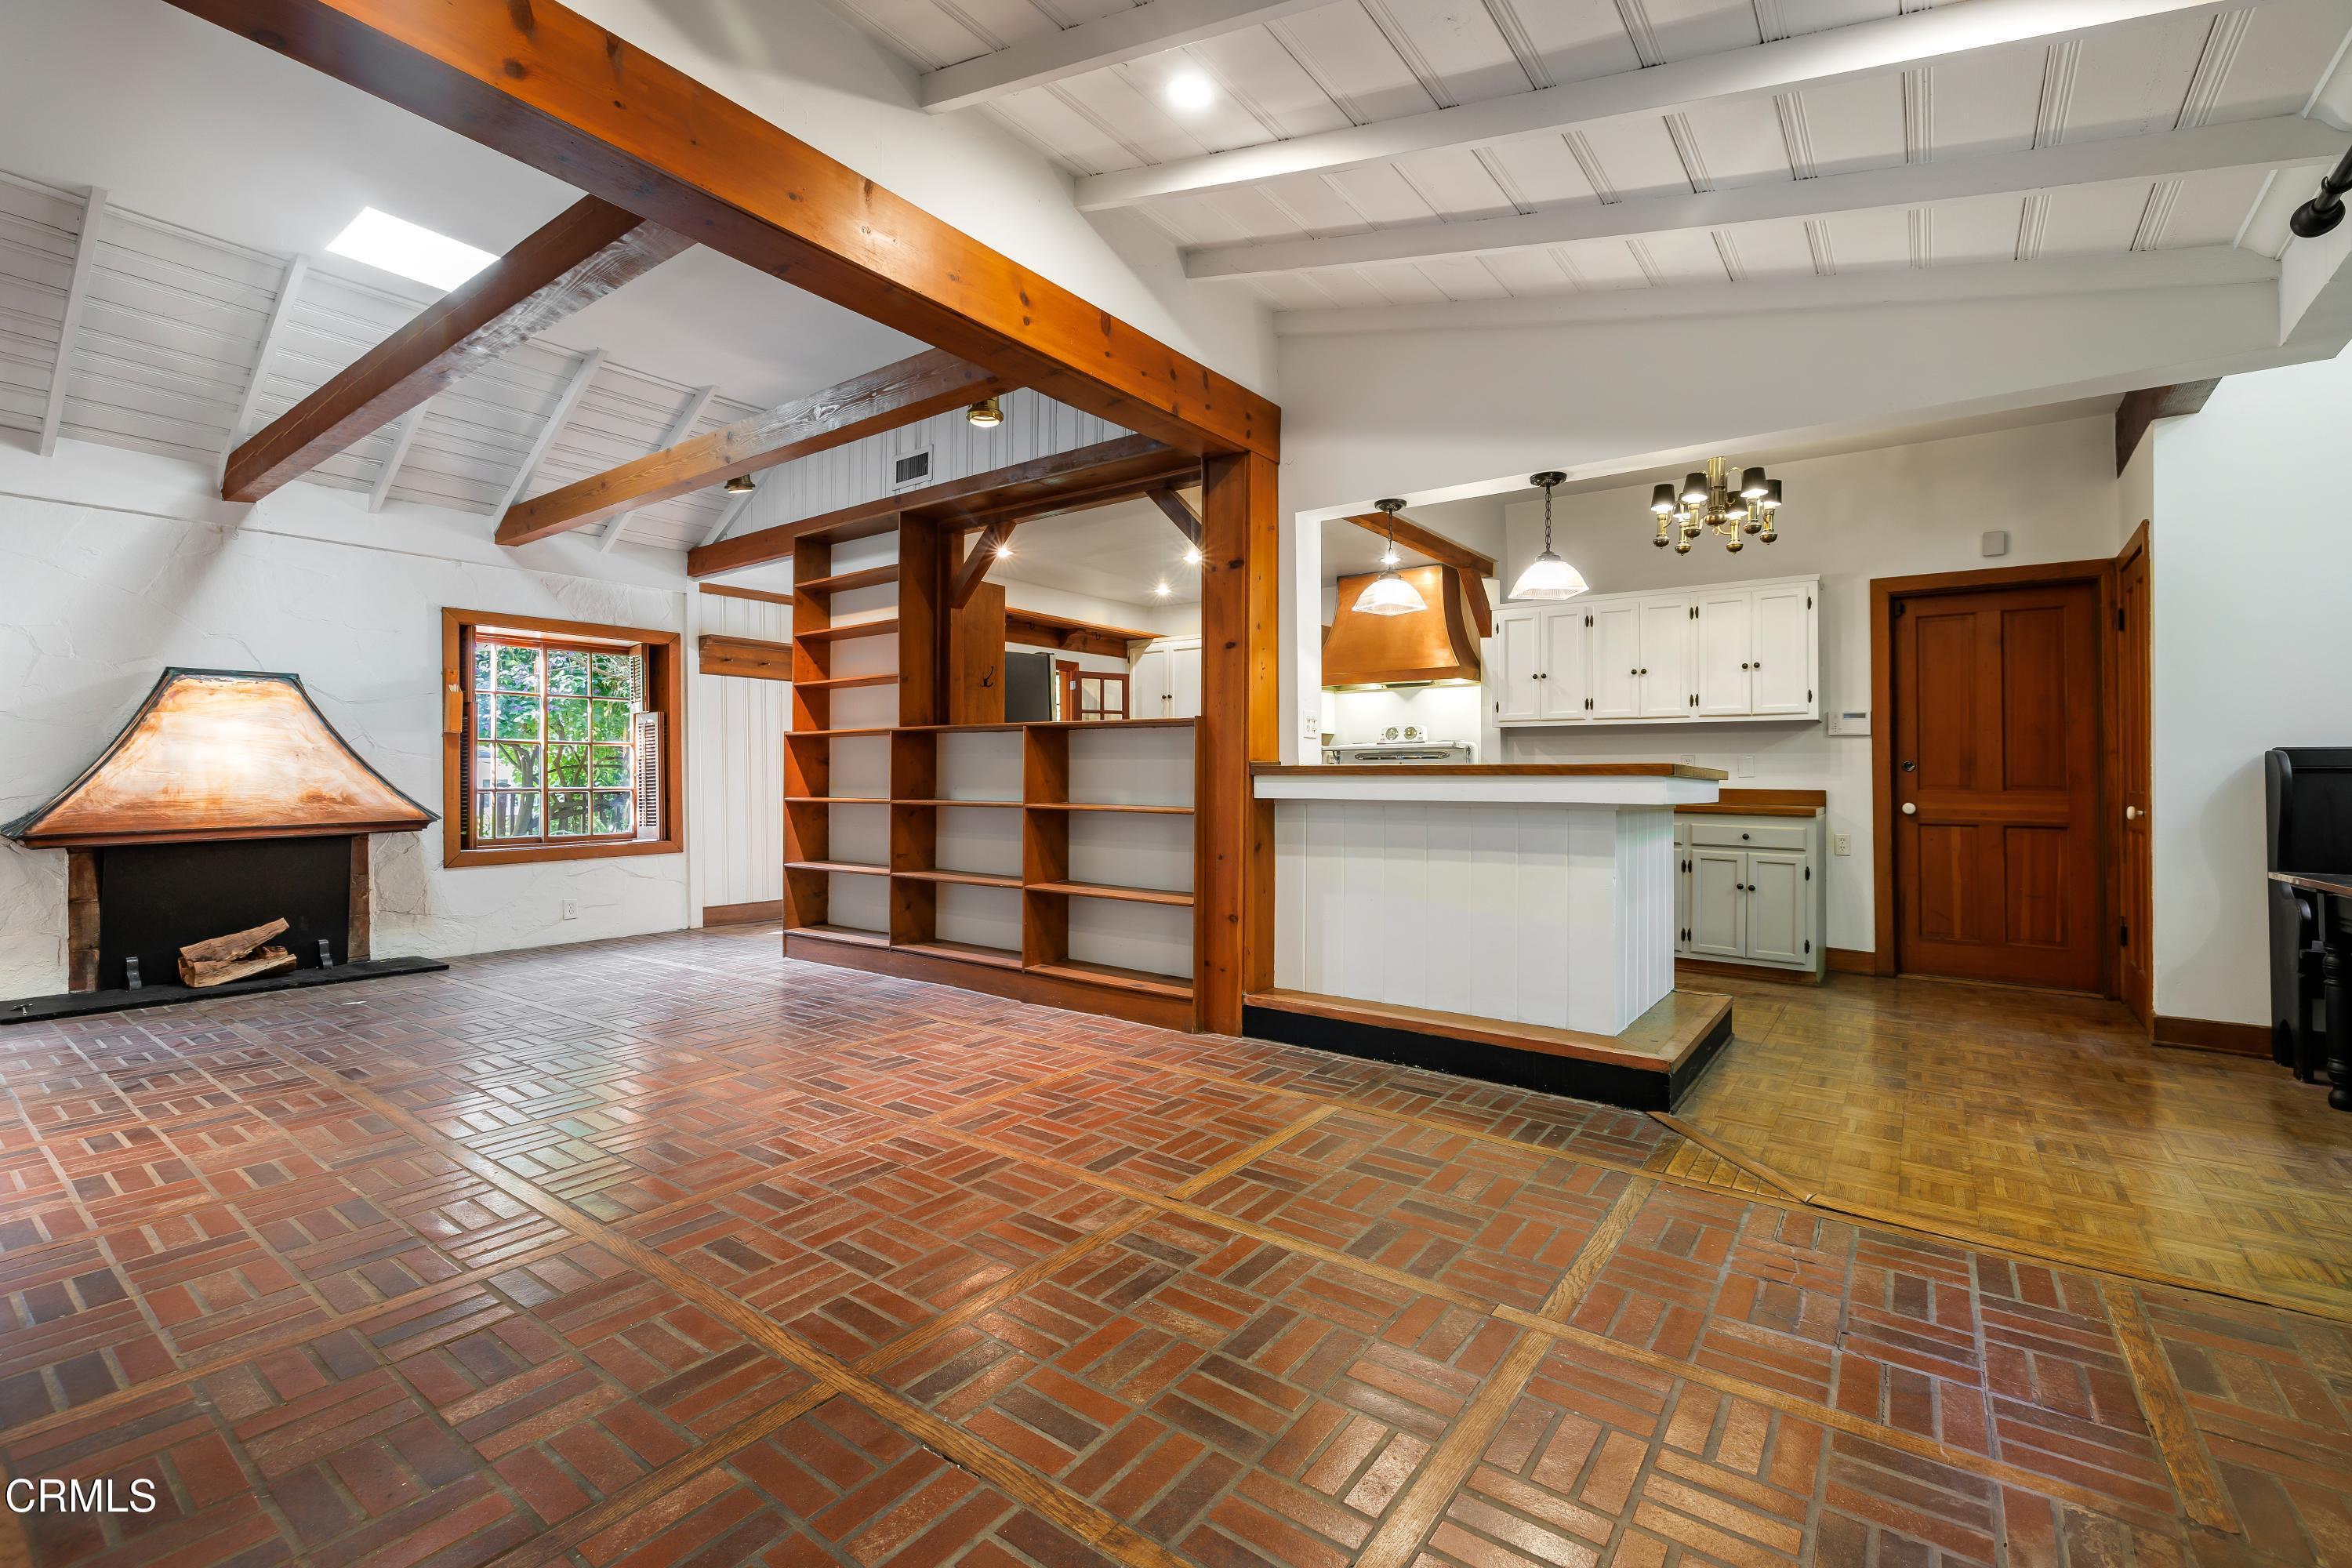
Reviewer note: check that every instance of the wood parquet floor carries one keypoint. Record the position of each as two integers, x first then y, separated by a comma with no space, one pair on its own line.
2043,1121
667,1252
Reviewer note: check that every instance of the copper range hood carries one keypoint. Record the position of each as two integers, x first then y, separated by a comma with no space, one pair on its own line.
1418,649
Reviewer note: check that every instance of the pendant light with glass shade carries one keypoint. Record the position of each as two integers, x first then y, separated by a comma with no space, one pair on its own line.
1388,594
1548,577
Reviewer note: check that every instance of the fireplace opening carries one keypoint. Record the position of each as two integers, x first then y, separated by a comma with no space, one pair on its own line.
156,898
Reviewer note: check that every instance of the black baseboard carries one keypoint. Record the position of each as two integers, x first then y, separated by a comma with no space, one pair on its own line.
1609,1083
82,1003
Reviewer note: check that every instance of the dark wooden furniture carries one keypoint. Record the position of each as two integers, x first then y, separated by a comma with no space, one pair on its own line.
2331,892
2306,827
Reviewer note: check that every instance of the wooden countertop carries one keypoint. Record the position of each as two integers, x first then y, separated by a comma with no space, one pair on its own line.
1486,769
1761,803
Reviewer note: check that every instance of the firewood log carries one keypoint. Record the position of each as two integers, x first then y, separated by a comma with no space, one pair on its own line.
220,971
219,948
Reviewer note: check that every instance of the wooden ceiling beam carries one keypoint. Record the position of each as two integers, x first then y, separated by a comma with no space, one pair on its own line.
973,570
588,251
1472,567
895,396
552,89
1017,485
2140,410
1178,511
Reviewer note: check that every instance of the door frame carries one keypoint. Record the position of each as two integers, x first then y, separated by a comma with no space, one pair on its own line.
2140,543
1884,593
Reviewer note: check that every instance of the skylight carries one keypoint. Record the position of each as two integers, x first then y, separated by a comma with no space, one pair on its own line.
398,245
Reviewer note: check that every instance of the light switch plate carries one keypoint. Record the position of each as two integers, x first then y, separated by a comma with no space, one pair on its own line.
1746,767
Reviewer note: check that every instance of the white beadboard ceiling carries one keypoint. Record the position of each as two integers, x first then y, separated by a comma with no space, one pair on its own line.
1741,183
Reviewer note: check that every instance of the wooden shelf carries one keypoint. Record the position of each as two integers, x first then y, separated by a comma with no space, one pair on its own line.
843,682
983,804
963,951
1111,891
962,878
833,734
1141,981
841,581
837,800
848,868
1082,725
1096,806
961,729
847,935
882,628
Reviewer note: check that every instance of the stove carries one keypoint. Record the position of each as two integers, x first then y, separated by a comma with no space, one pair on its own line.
1404,744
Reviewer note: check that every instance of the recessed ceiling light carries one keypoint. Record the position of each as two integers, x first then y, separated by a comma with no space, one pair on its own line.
1160,589
1005,547
1192,91
1193,556
398,245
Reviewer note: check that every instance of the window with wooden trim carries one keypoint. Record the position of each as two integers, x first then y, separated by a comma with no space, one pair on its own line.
563,739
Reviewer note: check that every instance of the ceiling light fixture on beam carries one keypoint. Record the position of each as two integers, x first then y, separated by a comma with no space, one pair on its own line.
1127,34
1809,61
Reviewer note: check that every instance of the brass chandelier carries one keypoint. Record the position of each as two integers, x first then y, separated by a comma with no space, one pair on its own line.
1709,501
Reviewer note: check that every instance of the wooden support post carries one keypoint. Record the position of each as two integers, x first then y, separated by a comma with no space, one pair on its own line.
1233,950
923,612
81,920
976,659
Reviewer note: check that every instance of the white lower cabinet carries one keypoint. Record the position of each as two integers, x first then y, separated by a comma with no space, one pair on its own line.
1750,890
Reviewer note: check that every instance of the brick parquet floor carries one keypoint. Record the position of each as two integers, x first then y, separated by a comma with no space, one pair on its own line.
667,1252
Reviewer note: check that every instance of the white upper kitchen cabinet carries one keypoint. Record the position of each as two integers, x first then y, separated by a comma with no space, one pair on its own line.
1615,660
1515,679
1785,660
1725,653
1667,659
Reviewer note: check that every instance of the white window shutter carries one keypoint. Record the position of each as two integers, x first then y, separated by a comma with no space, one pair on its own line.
648,731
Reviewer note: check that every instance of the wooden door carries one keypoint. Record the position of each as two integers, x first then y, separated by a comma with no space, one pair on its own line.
2134,847
1518,660
1995,784
1726,628
1561,693
1666,663
1782,662
1614,661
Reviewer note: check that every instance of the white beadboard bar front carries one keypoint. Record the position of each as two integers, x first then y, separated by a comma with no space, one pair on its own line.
1539,895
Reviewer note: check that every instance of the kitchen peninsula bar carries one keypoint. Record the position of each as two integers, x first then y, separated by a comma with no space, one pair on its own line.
1509,922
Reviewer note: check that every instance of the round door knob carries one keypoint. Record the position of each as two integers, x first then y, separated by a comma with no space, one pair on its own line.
1910,809
2131,813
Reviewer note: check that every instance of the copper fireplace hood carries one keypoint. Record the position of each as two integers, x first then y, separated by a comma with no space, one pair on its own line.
1419,649
217,754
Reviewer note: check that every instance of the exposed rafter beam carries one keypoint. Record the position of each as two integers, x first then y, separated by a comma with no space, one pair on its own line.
898,394
1133,464
2197,267
680,429
1473,568
973,570
2282,140
1180,511
586,252
1127,34
573,389
2140,410
403,439
559,91
53,414
1790,65
289,287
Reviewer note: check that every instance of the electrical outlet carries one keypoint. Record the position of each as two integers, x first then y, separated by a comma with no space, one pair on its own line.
1689,759
571,909
1842,844
1746,768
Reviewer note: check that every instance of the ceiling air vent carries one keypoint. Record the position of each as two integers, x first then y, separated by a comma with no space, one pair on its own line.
914,469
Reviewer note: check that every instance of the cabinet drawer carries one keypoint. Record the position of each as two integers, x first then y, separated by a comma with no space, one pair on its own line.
1737,834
